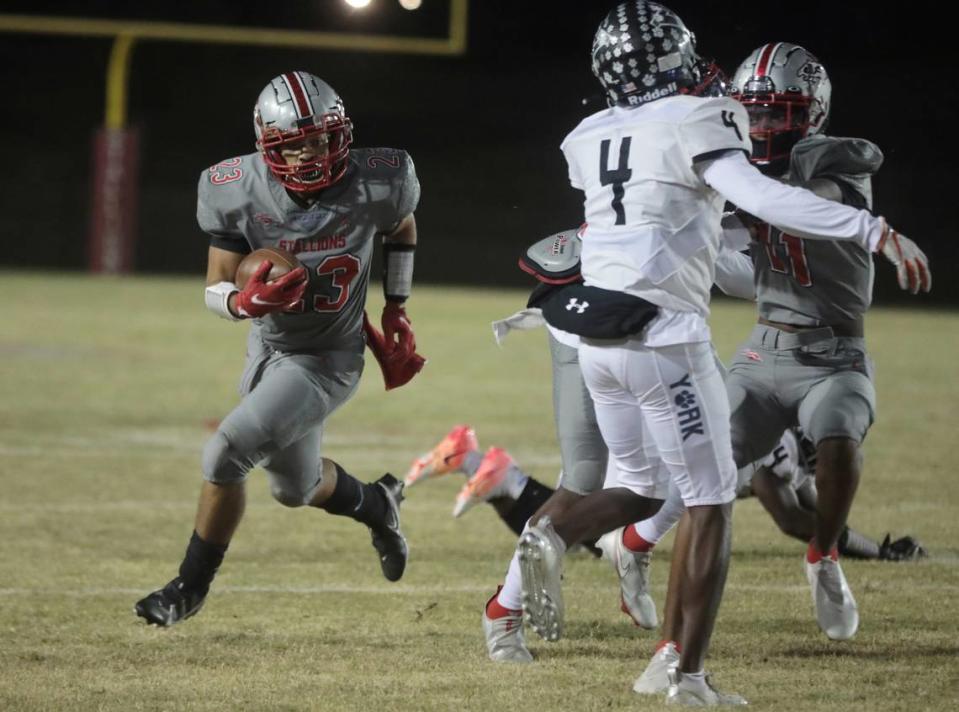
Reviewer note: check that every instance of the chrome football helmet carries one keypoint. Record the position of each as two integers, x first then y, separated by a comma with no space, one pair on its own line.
786,92
642,51
295,110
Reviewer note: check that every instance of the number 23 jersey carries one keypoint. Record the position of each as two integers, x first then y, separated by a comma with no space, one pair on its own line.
244,208
653,225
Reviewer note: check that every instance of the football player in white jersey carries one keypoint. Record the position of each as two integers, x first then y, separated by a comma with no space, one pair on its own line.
656,168
306,191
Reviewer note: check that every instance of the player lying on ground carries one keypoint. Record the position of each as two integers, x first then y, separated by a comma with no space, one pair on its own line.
306,192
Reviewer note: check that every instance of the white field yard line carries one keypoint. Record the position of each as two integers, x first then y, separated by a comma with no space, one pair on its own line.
403,590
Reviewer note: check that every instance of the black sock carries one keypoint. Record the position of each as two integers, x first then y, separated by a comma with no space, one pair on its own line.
533,496
365,503
201,563
857,546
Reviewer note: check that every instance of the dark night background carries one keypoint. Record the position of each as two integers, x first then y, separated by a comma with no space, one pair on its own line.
484,129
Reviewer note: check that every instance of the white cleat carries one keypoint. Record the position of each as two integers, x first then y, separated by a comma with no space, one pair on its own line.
698,692
655,679
633,571
505,642
836,610
540,553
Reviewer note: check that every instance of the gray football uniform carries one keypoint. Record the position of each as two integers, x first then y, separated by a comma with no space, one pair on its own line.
813,378
302,364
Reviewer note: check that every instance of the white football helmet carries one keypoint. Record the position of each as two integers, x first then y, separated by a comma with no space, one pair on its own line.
786,92
291,109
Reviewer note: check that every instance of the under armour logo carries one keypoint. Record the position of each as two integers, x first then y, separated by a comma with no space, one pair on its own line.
684,399
574,303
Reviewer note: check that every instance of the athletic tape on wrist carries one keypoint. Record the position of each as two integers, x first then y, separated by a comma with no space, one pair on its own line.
397,271
217,298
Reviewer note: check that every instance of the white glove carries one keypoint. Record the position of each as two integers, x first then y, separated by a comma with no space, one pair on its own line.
912,266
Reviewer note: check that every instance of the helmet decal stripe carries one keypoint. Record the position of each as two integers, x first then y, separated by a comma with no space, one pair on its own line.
766,58
301,99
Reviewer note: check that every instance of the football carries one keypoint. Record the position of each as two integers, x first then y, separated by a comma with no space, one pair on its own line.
282,260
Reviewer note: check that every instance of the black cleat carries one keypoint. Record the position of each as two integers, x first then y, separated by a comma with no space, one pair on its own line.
388,540
905,549
171,604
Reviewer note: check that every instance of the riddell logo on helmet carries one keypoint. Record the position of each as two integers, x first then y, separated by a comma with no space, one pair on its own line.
651,95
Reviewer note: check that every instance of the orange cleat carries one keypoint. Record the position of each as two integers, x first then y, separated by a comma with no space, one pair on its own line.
493,479
446,457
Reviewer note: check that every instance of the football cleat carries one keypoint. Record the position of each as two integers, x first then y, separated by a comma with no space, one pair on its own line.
836,610
495,477
446,457
540,553
505,642
388,540
632,568
905,549
171,604
654,679
698,692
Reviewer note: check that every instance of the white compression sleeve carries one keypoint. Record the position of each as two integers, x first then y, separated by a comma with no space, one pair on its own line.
793,210
734,274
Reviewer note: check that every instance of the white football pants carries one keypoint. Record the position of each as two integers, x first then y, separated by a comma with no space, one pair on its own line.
674,396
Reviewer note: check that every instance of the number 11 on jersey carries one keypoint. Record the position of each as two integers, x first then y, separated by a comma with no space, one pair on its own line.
617,177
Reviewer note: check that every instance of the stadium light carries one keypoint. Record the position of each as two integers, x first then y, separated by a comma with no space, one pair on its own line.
411,4
358,4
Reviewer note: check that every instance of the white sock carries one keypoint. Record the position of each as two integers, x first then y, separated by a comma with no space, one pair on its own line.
516,481
658,525
471,462
510,596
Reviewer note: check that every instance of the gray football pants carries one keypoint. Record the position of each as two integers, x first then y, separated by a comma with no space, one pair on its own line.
813,379
581,445
279,422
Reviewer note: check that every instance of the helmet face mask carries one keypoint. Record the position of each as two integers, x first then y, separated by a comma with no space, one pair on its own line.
302,132
787,94
641,52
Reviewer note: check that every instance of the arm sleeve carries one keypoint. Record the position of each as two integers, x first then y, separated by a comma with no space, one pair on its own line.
794,210
734,274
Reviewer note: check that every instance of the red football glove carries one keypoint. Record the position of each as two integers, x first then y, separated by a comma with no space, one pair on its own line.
398,332
260,297
395,372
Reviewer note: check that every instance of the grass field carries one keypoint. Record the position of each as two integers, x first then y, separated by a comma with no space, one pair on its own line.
108,388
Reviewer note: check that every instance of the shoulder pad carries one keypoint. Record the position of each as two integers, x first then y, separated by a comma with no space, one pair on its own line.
831,155
385,161
554,259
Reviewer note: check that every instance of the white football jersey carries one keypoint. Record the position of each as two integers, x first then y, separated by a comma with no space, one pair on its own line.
653,225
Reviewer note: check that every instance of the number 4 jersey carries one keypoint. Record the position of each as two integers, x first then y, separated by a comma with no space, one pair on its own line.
653,225
244,208
818,282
